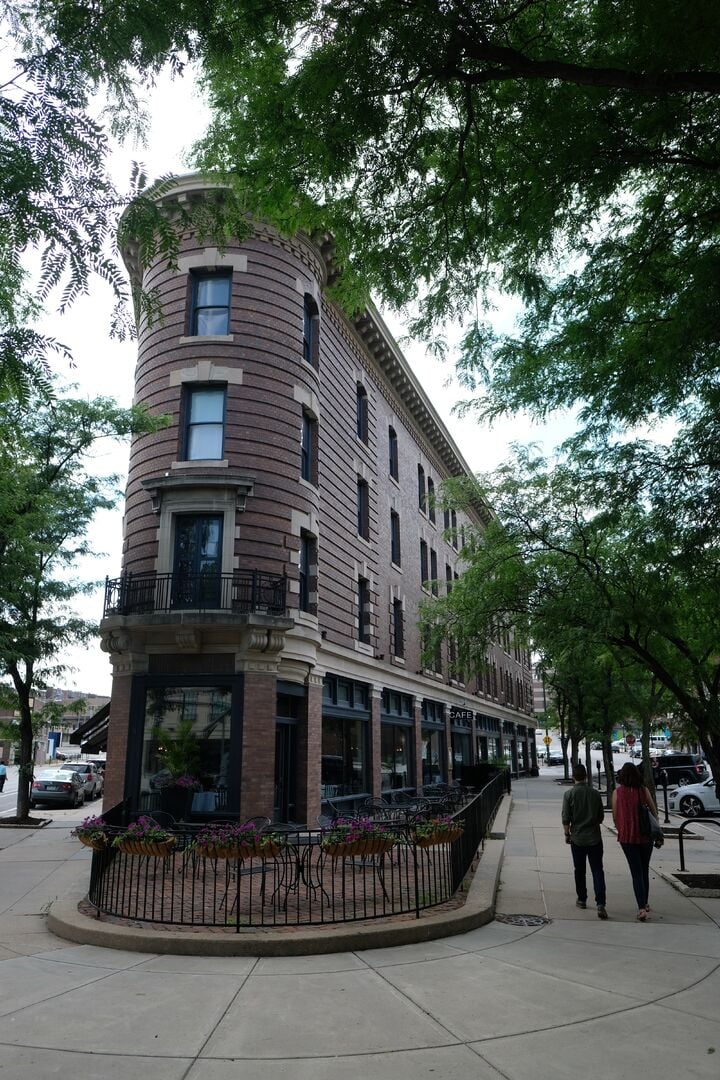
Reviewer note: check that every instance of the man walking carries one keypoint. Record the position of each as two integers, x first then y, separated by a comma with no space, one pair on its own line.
3,774
582,814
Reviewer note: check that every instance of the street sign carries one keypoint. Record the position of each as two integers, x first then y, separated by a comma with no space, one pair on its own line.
547,740
630,740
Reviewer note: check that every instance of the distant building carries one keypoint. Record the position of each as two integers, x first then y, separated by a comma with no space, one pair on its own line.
279,536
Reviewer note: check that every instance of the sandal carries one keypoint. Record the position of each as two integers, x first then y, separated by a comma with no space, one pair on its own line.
642,915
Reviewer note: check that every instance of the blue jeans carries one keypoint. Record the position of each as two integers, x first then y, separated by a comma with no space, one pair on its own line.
593,855
638,858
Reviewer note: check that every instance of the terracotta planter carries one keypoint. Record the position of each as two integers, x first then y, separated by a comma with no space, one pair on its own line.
269,851
448,836
159,849
371,846
96,844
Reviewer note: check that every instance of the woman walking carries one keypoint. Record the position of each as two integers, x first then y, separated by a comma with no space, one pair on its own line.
626,802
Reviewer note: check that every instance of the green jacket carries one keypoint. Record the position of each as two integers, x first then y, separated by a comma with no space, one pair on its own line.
583,811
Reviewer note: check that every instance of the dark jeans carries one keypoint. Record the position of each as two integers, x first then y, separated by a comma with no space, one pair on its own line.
593,855
638,858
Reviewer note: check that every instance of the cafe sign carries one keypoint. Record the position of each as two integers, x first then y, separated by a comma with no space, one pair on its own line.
460,716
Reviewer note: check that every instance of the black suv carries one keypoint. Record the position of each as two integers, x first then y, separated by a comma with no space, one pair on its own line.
680,768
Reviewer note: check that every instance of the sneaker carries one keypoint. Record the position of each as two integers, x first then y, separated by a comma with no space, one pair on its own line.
602,913
581,904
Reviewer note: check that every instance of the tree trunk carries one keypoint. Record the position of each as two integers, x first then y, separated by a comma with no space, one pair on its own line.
26,762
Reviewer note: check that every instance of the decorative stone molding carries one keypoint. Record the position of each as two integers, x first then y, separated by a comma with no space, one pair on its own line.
188,640
243,486
206,371
212,259
115,641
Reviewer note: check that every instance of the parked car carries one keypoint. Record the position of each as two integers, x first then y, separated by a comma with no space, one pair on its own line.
60,786
681,769
92,779
695,800
553,757
618,746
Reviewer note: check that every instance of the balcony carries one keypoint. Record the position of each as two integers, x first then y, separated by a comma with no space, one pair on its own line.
243,592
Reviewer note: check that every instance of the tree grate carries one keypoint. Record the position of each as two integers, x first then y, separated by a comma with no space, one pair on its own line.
522,920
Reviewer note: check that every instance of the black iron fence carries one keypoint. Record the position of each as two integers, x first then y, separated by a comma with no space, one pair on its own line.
298,880
241,592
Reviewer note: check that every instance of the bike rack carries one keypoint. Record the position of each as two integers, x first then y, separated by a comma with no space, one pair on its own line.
685,824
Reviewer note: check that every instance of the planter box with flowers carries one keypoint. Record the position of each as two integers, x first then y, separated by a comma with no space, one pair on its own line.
230,841
92,832
145,837
361,837
438,830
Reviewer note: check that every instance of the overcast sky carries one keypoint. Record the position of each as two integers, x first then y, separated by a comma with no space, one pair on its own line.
106,367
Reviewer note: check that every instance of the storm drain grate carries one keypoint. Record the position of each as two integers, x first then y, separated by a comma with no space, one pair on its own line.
523,920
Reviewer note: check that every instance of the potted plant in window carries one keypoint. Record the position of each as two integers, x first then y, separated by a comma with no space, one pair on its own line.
145,837
179,755
438,830
363,836
92,832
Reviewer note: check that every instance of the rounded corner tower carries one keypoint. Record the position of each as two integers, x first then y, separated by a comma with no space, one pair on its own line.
282,528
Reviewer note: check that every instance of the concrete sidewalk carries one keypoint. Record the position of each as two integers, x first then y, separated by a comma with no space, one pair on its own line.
570,996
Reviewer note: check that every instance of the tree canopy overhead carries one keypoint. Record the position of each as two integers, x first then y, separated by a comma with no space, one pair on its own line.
606,549
565,153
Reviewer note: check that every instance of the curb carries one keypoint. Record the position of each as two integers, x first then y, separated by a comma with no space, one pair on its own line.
66,921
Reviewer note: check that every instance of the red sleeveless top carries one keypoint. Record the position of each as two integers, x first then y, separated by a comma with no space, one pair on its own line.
627,803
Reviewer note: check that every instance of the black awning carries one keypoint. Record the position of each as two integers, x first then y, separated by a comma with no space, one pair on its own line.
91,735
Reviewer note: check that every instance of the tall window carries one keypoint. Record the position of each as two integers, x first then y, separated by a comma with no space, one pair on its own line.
433,571
446,519
395,555
345,758
363,603
431,499
197,563
422,496
453,518
363,509
448,579
393,453
396,757
398,629
308,448
424,570
361,413
308,560
210,313
204,423
310,331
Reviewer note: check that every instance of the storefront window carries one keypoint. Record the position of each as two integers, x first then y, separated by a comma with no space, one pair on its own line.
433,756
395,757
461,752
344,757
186,734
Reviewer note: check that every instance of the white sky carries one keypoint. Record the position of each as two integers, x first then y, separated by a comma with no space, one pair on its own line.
106,367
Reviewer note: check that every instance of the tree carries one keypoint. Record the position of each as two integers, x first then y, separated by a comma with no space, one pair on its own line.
72,84
610,548
566,154
47,500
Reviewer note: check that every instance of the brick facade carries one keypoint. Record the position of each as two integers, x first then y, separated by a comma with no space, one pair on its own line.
269,515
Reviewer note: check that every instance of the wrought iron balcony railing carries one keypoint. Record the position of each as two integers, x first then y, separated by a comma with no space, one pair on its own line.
242,592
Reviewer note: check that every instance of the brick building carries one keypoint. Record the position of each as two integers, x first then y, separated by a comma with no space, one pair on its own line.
278,535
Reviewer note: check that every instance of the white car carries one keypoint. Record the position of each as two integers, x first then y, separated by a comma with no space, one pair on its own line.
695,800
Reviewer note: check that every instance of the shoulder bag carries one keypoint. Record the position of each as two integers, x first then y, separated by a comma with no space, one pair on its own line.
648,824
